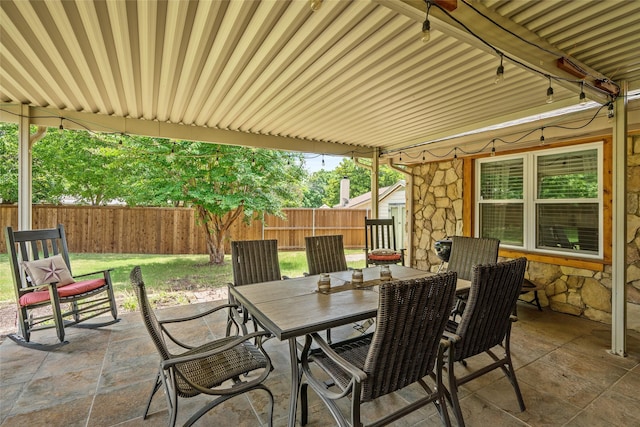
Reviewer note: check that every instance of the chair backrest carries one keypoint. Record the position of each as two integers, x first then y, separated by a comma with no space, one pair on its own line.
255,261
325,254
379,234
486,318
31,245
466,252
412,315
148,316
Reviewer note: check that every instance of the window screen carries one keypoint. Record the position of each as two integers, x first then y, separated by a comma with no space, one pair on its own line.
544,200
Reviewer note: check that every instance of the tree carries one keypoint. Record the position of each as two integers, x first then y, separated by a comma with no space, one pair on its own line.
315,188
359,180
8,163
223,183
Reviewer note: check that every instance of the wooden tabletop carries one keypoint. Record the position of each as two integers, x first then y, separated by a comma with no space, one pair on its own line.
293,307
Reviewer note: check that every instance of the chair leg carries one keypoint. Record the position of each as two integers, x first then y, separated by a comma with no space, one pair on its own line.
453,390
57,313
304,404
512,373
156,387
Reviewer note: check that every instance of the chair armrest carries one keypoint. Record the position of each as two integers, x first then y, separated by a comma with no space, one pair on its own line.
94,272
347,366
513,318
451,337
197,316
197,356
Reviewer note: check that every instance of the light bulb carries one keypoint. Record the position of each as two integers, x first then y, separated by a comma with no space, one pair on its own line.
549,93
315,5
499,75
499,72
583,97
493,148
426,31
610,112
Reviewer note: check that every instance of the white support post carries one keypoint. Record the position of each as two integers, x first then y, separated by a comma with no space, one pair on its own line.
619,231
374,183
24,170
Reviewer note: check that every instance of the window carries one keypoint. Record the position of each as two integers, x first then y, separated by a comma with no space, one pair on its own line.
545,201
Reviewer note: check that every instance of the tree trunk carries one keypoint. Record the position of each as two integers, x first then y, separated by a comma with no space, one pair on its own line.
216,228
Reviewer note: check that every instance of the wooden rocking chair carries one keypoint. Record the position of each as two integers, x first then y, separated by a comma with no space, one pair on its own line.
42,277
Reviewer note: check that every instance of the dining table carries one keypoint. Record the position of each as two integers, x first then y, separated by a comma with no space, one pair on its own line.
294,307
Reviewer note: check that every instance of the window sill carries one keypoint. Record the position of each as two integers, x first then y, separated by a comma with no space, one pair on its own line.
587,264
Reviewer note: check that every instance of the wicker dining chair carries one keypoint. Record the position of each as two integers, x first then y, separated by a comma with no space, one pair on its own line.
325,254
252,261
404,348
467,252
485,324
218,367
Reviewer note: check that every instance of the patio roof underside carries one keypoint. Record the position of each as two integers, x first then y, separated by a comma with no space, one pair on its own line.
350,79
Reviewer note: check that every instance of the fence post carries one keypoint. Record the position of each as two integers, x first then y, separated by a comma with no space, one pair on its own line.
313,222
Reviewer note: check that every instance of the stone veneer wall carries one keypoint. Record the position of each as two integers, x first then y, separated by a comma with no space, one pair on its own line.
633,220
437,197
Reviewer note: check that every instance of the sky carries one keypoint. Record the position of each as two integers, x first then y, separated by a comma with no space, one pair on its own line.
313,162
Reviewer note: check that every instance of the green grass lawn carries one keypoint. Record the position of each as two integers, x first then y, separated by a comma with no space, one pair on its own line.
163,273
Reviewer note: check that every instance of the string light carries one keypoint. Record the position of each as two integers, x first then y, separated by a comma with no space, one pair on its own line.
455,152
610,111
426,26
493,148
549,92
253,160
60,128
542,136
423,158
315,5
323,161
583,97
499,71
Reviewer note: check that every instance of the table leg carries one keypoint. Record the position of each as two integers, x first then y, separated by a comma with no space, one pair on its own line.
295,381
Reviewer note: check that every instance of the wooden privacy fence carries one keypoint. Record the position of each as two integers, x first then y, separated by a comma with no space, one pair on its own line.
106,229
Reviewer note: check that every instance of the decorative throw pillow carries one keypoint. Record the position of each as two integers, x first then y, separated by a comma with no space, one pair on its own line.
48,270
383,252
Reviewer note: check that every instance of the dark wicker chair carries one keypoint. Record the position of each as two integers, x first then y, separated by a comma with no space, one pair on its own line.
380,242
325,254
42,277
253,261
467,252
486,323
205,369
404,348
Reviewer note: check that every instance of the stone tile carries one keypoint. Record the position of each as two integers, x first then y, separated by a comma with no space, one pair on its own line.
478,412
612,409
118,405
49,392
68,414
629,385
565,372
19,364
10,394
541,408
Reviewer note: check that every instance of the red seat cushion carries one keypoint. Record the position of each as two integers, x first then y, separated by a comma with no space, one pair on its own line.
72,289
390,257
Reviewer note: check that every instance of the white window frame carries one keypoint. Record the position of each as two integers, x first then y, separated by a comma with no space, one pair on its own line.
530,200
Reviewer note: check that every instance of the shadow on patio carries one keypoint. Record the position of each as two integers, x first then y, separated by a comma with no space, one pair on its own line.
103,378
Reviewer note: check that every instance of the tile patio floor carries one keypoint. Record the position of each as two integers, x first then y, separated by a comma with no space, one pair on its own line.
103,377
